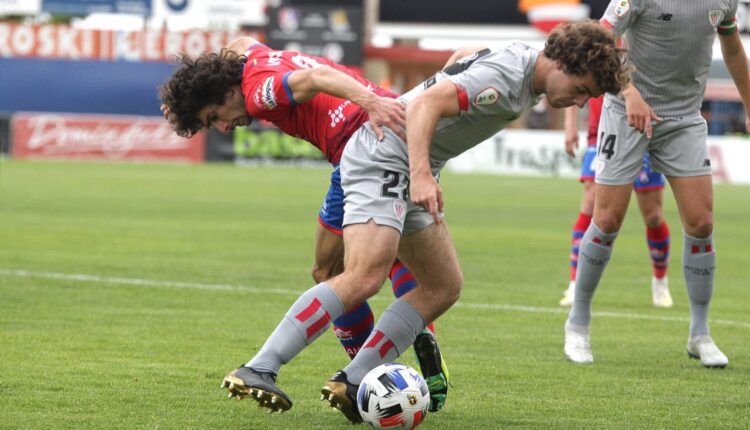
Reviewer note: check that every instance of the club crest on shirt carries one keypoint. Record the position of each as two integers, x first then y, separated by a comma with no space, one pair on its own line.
622,8
399,208
487,96
715,16
264,96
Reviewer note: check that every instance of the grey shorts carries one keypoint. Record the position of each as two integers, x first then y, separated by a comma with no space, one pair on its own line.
375,179
677,148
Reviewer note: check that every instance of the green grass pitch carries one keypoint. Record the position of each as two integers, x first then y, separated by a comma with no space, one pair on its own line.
128,291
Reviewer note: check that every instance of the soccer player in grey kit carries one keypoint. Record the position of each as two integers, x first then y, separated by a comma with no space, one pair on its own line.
393,203
670,43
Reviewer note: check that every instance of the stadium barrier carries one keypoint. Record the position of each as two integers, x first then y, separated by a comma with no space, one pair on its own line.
148,138
101,137
542,153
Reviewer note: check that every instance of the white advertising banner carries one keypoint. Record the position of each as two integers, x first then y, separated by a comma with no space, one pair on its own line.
520,152
542,153
20,7
181,15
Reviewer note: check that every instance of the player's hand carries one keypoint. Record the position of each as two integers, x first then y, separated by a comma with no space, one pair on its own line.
166,112
426,192
387,112
640,114
571,142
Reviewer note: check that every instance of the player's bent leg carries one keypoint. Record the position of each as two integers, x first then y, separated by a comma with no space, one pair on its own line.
433,260
579,228
431,361
402,281
426,347
306,320
370,252
596,250
657,239
302,324
352,328
694,197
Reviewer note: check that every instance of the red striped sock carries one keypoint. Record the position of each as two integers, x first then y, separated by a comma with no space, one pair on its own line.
658,246
579,228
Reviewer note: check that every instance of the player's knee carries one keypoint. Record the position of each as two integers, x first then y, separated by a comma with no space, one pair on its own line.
323,272
653,219
452,291
607,222
700,227
366,285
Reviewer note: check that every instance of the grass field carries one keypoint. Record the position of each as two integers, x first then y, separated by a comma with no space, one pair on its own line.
128,291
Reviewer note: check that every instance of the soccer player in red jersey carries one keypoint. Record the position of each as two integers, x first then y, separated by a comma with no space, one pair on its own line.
319,101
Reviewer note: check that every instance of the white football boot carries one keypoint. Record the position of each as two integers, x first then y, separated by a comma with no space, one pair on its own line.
569,295
660,293
704,349
578,344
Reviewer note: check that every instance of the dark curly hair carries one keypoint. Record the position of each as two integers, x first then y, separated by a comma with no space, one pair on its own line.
587,46
198,83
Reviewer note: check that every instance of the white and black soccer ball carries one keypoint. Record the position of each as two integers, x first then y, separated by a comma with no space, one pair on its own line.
393,396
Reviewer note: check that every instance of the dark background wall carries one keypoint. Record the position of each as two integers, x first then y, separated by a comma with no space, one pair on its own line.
116,87
464,11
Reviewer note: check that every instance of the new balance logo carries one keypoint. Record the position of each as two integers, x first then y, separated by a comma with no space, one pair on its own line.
706,163
665,17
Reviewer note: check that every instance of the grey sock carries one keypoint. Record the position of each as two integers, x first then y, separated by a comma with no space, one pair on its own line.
393,334
594,254
304,322
698,265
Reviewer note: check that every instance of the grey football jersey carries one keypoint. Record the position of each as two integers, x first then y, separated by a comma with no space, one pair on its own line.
494,88
670,44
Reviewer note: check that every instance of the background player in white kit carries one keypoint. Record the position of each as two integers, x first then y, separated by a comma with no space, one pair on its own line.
446,115
670,45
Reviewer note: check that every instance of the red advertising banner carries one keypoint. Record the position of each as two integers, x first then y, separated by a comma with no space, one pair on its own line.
65,42
101,137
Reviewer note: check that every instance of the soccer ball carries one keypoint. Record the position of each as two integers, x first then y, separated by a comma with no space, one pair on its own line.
393,396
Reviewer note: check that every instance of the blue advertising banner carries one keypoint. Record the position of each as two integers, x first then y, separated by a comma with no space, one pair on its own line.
85,7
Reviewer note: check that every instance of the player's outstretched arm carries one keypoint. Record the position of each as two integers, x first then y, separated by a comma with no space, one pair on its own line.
422,116
736,60
382,111
571,130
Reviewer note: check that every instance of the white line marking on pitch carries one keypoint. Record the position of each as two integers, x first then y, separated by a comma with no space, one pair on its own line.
281,291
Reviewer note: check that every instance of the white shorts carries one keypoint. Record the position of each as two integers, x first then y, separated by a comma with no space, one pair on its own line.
677,148
375,179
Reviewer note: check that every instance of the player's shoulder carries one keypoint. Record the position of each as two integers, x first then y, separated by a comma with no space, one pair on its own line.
509,64
514,55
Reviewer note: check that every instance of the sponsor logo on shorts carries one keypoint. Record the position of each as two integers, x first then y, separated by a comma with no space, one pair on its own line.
399,208
715,16
487,96
265,97
622,8
599,166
